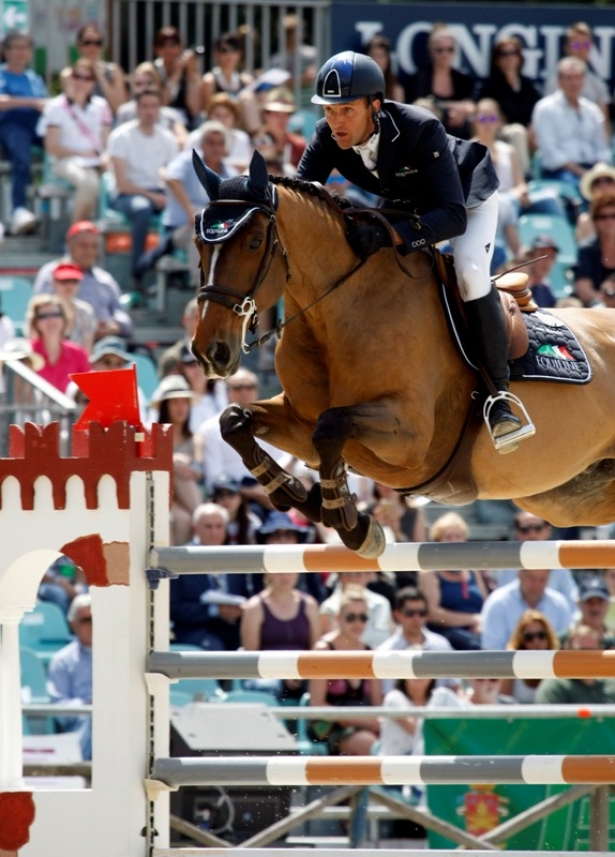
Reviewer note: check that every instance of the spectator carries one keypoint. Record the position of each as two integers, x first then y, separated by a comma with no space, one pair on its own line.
406,521
531,528
378,625
346,737
139,151
379,49
280,529
180,74
66,281
62,581
76,128
593,603
206,608
578,43
209,395
452,91
410,615
486,691
404,737
596,260
609,579
506,605
69,678
225,77
173,399
569,129
169,362
186,197
109,76
600,179
224,109
296,54
98,287
23,97
242,522
515,95
578,691
274,140
146,76
533,633
541,256
607,293
47,323
454,597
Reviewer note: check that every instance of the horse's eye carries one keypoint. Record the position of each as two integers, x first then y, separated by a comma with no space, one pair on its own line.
255,243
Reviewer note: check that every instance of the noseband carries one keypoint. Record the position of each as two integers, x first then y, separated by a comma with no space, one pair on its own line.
244,304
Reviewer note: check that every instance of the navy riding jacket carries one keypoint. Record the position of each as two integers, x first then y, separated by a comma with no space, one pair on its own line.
421,170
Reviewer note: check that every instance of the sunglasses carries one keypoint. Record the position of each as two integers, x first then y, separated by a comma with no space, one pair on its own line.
83,77
241,386
91,43
512,53
409,613
605,216
487,679
356,617
488,117
85,620
531,528
580,46
443,50
43,315
603,180
528,636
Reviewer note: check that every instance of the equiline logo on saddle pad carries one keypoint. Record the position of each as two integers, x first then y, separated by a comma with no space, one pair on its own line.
555,354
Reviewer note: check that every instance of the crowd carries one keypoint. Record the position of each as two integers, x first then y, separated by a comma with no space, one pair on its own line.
139,131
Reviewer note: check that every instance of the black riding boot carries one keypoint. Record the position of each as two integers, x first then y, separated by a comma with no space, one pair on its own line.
486,322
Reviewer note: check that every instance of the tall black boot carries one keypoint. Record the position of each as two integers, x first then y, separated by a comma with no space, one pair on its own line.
486,322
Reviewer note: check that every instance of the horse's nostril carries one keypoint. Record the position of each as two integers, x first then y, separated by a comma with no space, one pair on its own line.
219,353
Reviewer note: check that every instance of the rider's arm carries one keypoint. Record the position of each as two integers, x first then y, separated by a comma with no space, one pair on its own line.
317,162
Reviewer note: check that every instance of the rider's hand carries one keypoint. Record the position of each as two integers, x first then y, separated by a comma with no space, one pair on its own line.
367,238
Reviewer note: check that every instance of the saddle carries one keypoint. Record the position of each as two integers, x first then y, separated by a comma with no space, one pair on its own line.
515,297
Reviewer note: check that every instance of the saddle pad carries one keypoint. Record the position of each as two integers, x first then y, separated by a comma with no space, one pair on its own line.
555,354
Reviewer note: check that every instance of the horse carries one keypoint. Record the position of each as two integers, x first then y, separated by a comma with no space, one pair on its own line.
372,380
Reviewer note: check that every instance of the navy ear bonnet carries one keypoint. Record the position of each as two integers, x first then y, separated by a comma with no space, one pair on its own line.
232,201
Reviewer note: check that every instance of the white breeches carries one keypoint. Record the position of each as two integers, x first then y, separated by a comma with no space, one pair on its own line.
473,251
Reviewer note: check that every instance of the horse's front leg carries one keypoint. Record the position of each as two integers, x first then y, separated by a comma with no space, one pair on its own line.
275,422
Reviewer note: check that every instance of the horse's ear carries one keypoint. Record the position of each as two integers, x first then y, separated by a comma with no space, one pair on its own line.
259,176
207,177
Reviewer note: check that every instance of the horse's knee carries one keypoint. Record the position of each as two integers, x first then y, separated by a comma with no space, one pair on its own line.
234,420
333,426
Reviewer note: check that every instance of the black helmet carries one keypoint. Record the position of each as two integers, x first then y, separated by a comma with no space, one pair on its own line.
348,76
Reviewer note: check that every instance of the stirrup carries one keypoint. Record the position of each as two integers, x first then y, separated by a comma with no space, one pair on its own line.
510,441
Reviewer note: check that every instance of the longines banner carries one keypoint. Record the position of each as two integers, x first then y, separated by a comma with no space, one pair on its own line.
540,28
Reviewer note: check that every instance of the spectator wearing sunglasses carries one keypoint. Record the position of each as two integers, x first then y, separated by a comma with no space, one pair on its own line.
531,528
379,623
48,322
533,633
109,76
593,605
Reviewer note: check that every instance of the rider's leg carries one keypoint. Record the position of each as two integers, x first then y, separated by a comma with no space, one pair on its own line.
472,255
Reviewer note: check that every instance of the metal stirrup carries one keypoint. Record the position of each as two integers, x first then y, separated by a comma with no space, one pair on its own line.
512,437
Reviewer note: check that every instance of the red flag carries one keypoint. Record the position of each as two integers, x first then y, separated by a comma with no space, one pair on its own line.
113,397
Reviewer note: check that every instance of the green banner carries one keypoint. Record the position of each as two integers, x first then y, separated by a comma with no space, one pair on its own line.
479,809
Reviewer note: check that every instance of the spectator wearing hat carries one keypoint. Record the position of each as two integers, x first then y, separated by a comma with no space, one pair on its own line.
600,179
48,322
274,140
23,96
225,77
541,255
186,196
66,282
575,691
279,528
596,260
242,522
97,287
22,394
173,399
593,603
139,152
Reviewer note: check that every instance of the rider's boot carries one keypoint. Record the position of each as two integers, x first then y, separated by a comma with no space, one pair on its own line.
486,322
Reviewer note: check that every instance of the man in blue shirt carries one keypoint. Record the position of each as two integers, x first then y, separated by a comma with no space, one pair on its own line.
22,99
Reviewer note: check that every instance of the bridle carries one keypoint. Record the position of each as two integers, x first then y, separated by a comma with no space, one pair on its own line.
244,304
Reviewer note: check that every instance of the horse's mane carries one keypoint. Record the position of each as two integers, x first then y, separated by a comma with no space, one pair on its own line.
313,189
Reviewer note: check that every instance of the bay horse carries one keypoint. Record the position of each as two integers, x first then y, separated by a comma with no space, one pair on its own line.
371,377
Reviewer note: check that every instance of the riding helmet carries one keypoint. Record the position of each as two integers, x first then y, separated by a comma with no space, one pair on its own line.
348,76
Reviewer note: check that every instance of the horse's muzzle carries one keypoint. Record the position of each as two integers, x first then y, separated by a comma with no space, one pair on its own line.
219,360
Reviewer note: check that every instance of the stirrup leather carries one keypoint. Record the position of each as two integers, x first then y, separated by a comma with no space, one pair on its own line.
512,438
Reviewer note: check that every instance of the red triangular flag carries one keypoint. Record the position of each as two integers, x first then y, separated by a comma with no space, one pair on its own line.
113,397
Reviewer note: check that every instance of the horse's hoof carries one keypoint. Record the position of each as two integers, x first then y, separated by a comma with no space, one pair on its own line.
374,544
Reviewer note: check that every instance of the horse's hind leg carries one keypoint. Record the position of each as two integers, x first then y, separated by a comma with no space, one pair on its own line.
272,421
360,532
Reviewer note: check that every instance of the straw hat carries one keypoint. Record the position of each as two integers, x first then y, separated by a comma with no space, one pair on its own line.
21,349
598,171
172,387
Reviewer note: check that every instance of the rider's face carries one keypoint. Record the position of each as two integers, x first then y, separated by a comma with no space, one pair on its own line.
352,123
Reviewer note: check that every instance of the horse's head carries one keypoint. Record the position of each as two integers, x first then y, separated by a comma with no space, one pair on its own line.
243,265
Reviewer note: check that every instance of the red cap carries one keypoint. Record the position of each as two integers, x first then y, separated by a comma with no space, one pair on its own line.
82,226
66,271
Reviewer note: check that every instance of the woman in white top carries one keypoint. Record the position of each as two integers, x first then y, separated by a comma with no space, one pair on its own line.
404,736
75,126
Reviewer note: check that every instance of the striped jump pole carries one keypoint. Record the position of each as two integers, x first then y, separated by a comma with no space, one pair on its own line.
382,770
405,556
387,665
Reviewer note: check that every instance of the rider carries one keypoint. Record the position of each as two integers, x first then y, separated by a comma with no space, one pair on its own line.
447,187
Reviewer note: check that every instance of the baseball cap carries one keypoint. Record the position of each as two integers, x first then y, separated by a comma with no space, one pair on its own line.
595,587
544,242
223,482
65,271
82,226
109,345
